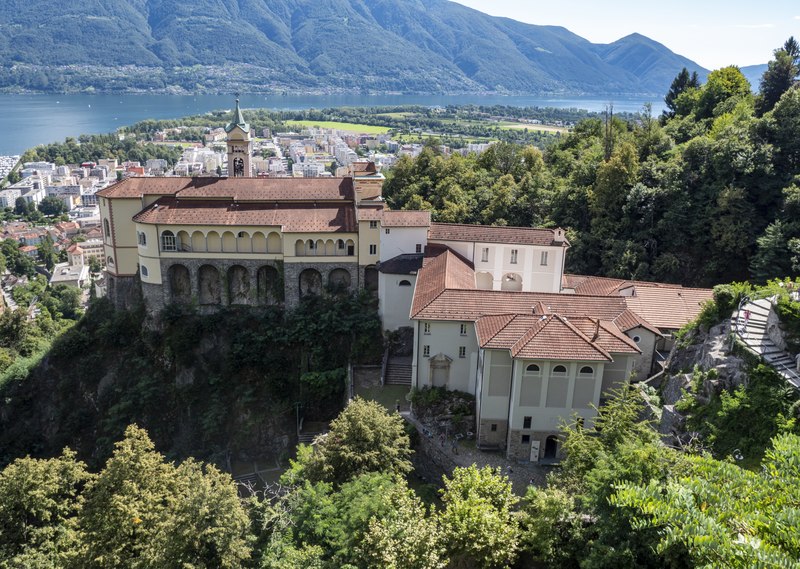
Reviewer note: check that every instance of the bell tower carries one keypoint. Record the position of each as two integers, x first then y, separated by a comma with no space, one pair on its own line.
240,146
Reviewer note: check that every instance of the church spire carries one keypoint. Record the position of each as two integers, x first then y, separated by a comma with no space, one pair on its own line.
237,120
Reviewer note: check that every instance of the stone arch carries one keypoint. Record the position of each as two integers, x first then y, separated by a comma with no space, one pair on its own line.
339,280
238,285
198,242
319,247
310,247
484,281
183,241
274,243
300,248
180,283
551,446
330,248
244,243
228,242
210,285
371,279
511,281
269,286
310,282
259,242
214,243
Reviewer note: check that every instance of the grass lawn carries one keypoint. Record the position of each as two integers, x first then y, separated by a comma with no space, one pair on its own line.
387,396
532,127
398,115
349,127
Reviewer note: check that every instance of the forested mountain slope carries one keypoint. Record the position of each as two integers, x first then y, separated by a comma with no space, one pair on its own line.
415,45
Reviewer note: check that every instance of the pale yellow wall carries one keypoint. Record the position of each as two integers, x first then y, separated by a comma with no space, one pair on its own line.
366,238
121,244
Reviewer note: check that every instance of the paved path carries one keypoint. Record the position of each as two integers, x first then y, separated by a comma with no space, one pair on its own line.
751,327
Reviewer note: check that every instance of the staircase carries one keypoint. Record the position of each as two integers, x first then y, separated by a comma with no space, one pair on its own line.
753,332
398,371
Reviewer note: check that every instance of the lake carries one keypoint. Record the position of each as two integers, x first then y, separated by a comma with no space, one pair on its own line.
28,120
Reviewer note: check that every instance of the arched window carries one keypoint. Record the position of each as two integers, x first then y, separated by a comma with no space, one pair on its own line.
340,244
111,261
142,238
242,234
168,241
144,271
587,370
404,283
559,369
106,229
533,368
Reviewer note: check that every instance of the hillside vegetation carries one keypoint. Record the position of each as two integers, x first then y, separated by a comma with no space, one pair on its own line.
424,46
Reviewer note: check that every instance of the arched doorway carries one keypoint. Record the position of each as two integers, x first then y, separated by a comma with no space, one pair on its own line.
440,370
310,282
551,446
180,283
511,281
210,288
371,279
238,285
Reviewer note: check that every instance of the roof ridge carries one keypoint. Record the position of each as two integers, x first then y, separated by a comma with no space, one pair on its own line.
583,336
503,327
516,348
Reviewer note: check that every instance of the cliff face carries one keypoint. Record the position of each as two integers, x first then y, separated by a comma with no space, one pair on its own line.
221,388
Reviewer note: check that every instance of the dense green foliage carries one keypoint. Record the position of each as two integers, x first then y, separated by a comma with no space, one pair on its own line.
163,45
708,196
209,386
100,146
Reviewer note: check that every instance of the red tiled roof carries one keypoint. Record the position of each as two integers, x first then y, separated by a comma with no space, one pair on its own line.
544,337
445,270
239,189
605,286
370,213
362,168
406,218
668,308
491,234
291,217
629,320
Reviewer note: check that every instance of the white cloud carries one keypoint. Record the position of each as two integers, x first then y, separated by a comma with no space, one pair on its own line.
797,17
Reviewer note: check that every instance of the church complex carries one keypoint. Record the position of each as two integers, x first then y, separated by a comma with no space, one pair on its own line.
492,311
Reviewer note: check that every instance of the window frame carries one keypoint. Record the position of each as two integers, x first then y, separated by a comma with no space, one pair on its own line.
373,224
514,256
169,243
426,328
484,255
462,331
462,351
543,259
426,351
373,249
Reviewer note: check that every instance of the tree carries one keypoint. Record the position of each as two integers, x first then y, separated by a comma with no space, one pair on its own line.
363,438
771,258
144,512
479,528
681,84
46,252
52,205
721,85
20,206
724,515
779,77
40,501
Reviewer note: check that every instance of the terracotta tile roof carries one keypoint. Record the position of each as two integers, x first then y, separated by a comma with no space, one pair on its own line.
629,320
491,234
444,271
364,168
605,286
291,217
544,337
406,218
668,308
606,335
370,213
239,189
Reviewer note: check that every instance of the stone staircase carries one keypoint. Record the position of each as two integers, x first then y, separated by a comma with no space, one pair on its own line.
752,331
398,371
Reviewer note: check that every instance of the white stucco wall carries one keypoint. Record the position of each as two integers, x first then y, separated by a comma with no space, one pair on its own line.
445,338
394,301
402,240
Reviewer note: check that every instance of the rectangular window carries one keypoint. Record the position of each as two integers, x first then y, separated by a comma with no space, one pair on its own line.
426,351
526,439
426,328
494,427
142,238
463,330
462,351
543,261
514,254
485,255
419,247
526,422
373,249
387,231
168,243
373,224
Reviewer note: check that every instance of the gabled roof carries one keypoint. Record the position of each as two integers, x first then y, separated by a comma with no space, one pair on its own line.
668,308
605,286
237,119
406,218
493,234
445,270
290,217
540,337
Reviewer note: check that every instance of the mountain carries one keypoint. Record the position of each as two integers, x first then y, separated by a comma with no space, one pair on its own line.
753,74
369,45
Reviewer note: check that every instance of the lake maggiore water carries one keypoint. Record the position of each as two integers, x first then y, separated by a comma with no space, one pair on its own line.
28,120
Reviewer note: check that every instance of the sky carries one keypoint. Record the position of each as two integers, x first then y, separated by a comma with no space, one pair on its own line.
712,33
